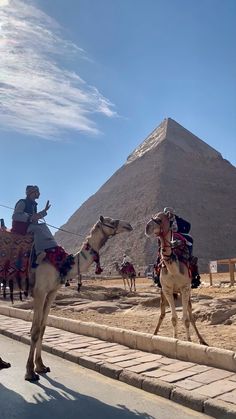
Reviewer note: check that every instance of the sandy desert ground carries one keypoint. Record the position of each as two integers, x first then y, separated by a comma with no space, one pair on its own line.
105,301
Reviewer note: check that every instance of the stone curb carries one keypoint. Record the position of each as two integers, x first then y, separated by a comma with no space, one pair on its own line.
156,386
219,409
131,378
214,408
173,348
188,399
111,370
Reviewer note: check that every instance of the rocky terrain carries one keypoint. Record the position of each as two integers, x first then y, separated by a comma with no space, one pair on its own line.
107,302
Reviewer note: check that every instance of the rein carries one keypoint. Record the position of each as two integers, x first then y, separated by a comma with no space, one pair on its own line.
115,227
167,244
163,234
95,256
94,253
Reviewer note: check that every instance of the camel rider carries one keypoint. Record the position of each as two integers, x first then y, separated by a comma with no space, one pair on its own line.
181,226
25,220
126,260
127,265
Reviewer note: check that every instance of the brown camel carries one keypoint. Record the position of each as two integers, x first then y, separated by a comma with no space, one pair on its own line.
128,277
175,277
48,282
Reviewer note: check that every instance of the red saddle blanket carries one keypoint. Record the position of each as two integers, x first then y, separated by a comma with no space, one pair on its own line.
128,269
61,260
180,238
181,250
15,250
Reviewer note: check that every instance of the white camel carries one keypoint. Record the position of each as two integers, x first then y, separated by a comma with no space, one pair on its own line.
128,278
175,277
48,282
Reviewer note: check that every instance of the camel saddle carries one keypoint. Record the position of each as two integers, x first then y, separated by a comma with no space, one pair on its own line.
180,248
128,269
15,250
181,251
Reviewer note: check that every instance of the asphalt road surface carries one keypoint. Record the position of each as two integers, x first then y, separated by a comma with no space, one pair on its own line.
71,391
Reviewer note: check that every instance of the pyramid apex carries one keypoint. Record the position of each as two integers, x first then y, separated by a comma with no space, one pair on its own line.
179,136
176,135
153,139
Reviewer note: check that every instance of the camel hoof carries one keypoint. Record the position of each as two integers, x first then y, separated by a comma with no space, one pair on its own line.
31,377
43,370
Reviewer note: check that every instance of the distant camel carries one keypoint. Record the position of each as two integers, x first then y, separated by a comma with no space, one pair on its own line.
48,282
128,276
175,277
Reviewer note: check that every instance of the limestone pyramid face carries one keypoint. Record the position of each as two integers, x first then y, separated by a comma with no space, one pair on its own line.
172,167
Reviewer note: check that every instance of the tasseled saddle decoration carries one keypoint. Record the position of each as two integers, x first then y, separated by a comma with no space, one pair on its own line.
61,260
96,258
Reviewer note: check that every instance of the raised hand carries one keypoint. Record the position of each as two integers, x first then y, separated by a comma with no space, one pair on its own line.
35,217
47,206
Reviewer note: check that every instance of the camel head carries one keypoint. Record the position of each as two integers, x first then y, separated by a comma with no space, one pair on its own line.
158,225
111,227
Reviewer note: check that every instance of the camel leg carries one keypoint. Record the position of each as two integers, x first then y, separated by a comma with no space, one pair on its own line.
134,284
163,312
130,283
39,301
185,292
39,365
200,338
174,318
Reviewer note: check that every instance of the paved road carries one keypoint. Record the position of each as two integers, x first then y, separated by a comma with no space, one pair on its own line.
71,391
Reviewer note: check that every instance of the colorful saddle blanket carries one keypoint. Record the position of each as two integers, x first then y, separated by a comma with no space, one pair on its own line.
61,260
15,250
181,249
128,269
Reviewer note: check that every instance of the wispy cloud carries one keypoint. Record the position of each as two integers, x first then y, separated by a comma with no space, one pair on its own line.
38,94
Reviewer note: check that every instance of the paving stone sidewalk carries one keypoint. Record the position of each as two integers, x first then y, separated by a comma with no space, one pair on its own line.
199,387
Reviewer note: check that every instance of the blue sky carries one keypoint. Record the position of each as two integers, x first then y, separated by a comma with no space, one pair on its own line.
83,82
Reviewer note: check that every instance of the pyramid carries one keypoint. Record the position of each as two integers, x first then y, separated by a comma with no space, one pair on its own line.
171,167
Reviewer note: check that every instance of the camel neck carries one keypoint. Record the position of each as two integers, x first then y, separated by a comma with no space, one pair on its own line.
166,244
98,240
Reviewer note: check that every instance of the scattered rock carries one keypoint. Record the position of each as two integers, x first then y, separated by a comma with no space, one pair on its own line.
228,322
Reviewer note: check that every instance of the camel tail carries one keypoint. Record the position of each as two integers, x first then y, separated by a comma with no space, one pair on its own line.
175,296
